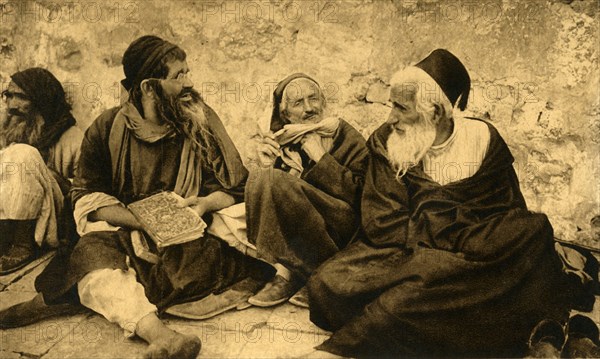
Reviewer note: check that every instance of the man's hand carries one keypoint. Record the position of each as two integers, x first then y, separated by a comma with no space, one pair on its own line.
267,150
198,204
312,145
213,202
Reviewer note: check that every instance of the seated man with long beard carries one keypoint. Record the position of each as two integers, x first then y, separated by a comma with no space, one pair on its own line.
165,138
303,203
39,150
452,262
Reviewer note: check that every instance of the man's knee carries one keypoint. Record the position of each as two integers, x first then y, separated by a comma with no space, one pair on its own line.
97,250
21,165
322,283
283,185
21,153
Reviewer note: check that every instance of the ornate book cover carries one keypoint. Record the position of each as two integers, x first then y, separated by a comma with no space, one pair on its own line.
165,222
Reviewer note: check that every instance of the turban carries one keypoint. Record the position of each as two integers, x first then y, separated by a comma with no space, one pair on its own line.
48,97
45,91
450,74
276,121
142,57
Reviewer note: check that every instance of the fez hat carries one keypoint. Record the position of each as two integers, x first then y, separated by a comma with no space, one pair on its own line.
450,74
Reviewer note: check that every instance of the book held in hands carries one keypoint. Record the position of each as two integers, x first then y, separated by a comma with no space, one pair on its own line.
166,221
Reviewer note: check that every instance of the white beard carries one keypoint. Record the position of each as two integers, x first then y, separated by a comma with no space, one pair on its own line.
406,150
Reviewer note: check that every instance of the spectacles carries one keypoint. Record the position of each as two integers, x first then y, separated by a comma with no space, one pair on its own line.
181,77
7,95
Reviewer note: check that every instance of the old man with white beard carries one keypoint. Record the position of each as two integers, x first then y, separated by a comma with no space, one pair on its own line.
452,263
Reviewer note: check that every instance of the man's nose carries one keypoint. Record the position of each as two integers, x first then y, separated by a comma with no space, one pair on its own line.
308,107
11,103
188,83
393,118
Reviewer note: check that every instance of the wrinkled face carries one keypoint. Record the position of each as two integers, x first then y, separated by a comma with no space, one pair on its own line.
18,104
22,122
177,84
413,132
304,102
404,107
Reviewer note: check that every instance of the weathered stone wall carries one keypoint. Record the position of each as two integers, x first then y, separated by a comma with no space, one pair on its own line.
534,66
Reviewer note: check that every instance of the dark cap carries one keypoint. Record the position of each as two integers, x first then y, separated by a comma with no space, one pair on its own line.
450,74
141,58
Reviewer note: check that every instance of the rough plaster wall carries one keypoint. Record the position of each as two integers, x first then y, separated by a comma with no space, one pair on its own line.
534,66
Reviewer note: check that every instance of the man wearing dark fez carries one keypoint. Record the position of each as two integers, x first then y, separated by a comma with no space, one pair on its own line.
165,138
39,150
452,262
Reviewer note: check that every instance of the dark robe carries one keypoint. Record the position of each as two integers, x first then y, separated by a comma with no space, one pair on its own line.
184,272
301,222
457,270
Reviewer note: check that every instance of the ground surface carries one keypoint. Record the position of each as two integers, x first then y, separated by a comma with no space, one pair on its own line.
280,332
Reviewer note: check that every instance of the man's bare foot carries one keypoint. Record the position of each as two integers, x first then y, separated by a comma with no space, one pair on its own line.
164,342
176,347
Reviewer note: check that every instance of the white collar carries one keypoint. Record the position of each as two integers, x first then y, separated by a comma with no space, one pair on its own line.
436,149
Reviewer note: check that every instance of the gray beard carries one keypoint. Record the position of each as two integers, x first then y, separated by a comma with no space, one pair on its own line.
188,119
17,129
406,150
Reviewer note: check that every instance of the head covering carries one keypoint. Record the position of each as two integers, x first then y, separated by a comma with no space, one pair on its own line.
44,90
276,121
48,97
141,58
447,70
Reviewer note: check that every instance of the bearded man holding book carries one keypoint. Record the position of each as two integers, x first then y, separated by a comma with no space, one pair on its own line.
165,138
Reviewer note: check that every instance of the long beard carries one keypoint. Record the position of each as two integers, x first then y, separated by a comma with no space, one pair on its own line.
406,150
188,119
22,128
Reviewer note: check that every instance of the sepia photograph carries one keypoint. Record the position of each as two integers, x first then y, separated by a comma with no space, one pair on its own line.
299,179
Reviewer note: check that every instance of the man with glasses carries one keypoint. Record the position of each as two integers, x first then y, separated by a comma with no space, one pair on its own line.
165,138
39,150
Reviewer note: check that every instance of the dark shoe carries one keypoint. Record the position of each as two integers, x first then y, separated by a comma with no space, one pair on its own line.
23,249
15,259
276,291
7,229
546,340
583,338
300,299
33,311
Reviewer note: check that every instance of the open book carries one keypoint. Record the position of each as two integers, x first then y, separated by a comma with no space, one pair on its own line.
165,222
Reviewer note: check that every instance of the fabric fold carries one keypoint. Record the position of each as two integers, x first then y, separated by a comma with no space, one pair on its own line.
88,204
293,133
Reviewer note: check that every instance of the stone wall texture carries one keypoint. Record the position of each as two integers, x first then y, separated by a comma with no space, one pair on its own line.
534,66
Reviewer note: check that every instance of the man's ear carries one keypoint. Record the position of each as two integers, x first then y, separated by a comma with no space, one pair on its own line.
147,89
439,113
